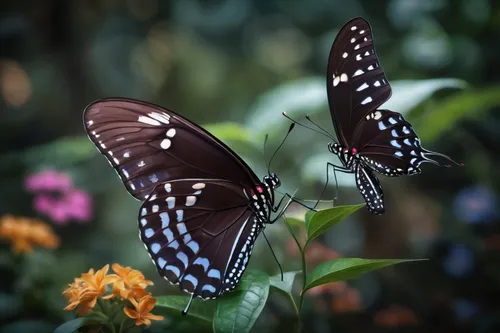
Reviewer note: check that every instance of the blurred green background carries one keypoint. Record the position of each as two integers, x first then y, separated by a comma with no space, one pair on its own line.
234,66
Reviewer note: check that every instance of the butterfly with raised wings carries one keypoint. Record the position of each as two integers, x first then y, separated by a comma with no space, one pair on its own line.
203,207
369,139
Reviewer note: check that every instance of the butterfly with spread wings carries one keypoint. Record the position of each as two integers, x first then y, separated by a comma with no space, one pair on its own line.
369,139
203,207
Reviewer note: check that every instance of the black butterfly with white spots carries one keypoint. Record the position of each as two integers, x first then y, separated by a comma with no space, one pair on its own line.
203,207
369,139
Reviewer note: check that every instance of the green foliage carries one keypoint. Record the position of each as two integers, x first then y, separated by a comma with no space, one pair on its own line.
73,325
308,97
173,305
238,311
284,286
346,269
323,220
445,114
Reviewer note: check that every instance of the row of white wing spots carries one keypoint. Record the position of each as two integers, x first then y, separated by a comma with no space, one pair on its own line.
155,119
194,246
377,202
236,240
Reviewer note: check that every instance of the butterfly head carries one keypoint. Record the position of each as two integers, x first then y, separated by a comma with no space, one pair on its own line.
346,155
272,180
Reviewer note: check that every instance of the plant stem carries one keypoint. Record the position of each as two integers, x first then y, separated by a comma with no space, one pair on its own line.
105,310
304,265
304,276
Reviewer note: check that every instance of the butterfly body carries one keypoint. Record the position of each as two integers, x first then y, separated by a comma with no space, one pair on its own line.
369,139
202,206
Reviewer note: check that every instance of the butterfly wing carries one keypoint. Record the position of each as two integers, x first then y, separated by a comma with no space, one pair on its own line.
199,233
356,84
369,187
389,145
147,145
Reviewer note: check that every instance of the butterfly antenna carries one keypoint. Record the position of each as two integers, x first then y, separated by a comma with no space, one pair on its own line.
281,144
317,126
265,141
274,255
310,128
433,153
185,311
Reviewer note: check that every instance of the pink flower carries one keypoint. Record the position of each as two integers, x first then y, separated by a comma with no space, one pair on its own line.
48,180
56,197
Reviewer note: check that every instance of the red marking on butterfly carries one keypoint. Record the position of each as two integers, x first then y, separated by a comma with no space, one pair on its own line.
346,150
354,151
259,189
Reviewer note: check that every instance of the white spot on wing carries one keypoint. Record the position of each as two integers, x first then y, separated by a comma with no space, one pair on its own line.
171,202
198,186
165,220
190,200
165,143
343,77
171,133
336,81
149,121
358,72
344,55
362,87
367,100
162,117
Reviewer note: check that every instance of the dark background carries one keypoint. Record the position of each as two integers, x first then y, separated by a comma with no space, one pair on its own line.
235,66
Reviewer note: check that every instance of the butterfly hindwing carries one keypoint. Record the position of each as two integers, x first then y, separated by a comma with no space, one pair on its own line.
147,145
389,145
356,83
199,233
369,187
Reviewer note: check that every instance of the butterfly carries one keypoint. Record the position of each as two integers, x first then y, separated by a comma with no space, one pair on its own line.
369,139
202,206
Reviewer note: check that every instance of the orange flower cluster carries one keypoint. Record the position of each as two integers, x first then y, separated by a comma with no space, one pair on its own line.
127,283
25,233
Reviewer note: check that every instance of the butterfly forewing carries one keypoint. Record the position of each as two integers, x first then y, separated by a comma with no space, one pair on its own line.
356,83
199,233
147,145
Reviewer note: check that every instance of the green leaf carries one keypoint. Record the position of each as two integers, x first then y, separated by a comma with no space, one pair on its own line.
295,222
238,310
230,131
346,269
323,220
296,98
446,114
308,96
173,305
72,325
285,286
408,94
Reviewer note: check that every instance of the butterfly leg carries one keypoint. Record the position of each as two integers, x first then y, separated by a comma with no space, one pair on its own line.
292,199
335,168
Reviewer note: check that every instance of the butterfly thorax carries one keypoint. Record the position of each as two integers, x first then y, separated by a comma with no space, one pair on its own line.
262,197
346,155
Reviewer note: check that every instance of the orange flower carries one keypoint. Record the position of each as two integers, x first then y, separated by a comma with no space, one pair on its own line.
25,233
142,314
84,291
130,283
